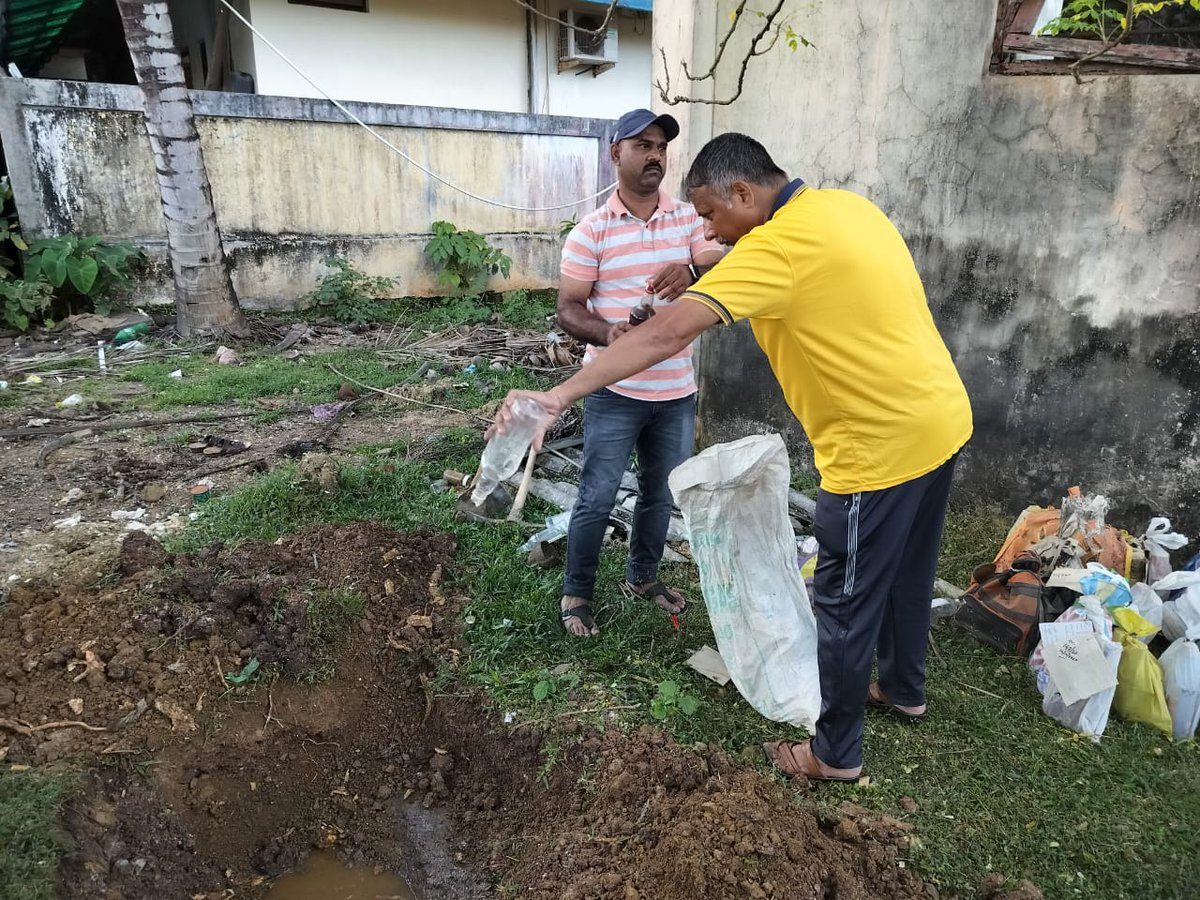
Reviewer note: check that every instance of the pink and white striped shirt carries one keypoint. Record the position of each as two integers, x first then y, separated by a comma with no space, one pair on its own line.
619,253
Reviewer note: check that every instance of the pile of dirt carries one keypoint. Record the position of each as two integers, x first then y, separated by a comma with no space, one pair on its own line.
198,787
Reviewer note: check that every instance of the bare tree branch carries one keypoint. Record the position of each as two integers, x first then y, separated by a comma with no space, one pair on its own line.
757,47
601,29
712,70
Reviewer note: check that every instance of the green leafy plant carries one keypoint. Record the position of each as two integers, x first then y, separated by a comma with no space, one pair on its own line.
670,699
23,302
10,230
566,226
1106,20
466,258
348,295
550,685
85,266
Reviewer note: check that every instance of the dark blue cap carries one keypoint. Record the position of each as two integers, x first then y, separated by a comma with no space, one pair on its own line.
636,121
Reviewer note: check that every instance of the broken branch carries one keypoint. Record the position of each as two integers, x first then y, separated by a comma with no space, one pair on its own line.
28,730
395,396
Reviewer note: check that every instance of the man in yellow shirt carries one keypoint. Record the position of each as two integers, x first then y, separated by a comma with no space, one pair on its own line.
835,302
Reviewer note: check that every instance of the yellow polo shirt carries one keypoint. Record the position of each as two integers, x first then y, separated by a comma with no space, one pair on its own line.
835,302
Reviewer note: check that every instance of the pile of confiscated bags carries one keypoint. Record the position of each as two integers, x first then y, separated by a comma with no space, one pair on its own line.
1087,603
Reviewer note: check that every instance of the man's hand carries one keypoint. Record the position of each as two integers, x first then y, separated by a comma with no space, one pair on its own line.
549,401
615,331
670,281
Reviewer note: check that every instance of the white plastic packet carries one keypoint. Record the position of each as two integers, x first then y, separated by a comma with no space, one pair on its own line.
1160,541
734,502
1181,684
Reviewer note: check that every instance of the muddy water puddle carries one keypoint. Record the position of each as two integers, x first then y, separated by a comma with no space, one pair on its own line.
324,878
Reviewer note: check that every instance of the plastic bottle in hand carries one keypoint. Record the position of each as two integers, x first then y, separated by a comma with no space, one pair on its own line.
503,453
643,311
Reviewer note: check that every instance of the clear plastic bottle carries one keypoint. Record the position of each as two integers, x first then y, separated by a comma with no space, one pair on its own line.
503,453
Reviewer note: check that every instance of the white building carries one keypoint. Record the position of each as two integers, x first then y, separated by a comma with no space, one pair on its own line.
497,55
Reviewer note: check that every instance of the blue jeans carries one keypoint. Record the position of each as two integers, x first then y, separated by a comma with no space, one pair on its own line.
663,433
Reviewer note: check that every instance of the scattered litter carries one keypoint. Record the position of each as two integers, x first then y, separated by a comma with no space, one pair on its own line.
226,357
76,705
200,493
72,496
328,410
128,515
32,379
178,373
944,607
556,527
130,332
509,718
37,423
100,358
245,674
132,345
217,445
72,400
69,522
708,663
3,385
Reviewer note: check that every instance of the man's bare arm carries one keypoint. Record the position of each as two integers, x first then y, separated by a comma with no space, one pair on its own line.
577,320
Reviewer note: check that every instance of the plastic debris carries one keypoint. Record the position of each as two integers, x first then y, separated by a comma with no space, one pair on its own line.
68,522
72,400
178,373
128,515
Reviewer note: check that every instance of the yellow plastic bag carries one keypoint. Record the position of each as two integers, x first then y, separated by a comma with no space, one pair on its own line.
1140,696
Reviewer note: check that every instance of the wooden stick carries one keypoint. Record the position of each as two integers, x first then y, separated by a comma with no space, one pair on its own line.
58,443
25,728
395,396
116,426
514,514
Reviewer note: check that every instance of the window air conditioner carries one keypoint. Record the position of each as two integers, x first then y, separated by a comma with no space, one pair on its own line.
578,47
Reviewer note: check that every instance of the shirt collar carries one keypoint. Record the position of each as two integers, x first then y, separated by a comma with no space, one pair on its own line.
666,204
793,187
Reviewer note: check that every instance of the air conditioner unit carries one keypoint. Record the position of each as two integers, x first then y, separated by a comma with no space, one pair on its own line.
579,46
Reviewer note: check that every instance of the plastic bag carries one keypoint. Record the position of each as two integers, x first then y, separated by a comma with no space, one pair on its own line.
1160,541
1181,615
734,501
1181,683
1090,715
1147,604
1140,696
556,527
806,556
1089,608
1102,582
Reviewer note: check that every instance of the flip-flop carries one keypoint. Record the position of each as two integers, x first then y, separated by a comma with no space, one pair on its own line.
583,613
796,758
876,699
657,589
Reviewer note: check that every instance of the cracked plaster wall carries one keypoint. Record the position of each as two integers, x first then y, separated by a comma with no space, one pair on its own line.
293,182
1057,229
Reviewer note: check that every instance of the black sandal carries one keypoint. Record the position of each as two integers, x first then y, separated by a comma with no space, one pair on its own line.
657,589
583,613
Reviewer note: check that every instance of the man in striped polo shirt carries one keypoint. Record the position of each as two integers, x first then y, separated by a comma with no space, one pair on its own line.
642,247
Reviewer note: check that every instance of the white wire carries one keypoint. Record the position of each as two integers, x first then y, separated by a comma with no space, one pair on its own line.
379,137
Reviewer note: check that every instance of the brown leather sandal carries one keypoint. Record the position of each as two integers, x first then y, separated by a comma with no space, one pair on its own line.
796,758
877,699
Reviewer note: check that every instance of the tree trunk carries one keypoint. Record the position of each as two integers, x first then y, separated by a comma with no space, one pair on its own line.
204,299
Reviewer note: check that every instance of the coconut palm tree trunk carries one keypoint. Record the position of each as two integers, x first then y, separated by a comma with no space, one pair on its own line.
205,302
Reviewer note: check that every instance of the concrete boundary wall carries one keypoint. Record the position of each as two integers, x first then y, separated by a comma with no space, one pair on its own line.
294,181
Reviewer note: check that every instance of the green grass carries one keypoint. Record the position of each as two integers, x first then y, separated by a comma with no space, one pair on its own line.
31,840
998,786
